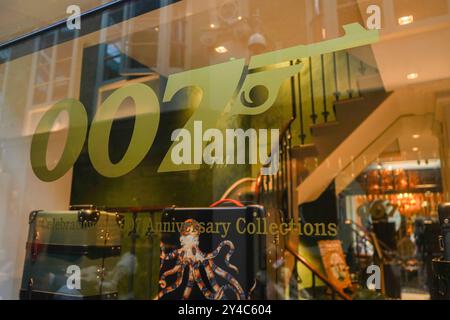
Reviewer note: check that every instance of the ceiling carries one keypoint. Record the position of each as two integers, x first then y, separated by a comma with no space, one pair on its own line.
185,28
415,147
185,34
421,48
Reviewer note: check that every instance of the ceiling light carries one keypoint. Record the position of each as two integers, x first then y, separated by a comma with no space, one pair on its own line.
212,25
412,76
156,29
221,49
416,136
239,18
415,149
405,20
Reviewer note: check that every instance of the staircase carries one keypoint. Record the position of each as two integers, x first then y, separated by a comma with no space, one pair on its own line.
349,113
331,97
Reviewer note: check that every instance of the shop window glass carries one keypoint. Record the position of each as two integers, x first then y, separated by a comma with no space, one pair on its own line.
225,149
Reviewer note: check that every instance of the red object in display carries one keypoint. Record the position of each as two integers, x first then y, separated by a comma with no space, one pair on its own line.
235,202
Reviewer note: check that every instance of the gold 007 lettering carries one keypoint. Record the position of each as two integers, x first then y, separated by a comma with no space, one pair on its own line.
220,94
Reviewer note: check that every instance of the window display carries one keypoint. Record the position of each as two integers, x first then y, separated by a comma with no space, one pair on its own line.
225,150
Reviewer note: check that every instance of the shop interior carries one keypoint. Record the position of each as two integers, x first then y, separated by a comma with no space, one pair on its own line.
363,149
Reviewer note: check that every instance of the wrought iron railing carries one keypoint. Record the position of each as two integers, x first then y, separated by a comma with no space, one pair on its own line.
276,192
335,292
323,81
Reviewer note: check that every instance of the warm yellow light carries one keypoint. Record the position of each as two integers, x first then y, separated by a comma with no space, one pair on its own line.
156,29
405,20
221,49
212,25
240,18
412,76
416,136
415,149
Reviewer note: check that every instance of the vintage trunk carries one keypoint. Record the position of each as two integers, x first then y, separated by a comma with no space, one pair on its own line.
72,254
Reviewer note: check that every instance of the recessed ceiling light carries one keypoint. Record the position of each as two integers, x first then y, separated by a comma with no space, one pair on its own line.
239,18
156,29
212,25
221,49
416,136
405,20
412,76
415,149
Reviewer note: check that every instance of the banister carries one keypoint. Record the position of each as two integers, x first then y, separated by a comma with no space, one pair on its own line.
379,245
317,273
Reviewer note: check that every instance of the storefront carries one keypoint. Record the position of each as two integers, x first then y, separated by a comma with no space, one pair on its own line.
251,149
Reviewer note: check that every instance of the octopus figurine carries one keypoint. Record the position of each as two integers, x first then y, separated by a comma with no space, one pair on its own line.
189,258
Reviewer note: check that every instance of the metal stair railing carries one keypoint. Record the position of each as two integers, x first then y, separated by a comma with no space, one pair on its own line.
326,79
315,273
276,192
